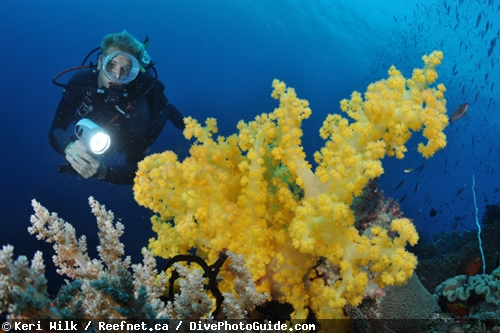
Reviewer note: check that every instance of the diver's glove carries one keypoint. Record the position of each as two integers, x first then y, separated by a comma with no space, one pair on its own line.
84,163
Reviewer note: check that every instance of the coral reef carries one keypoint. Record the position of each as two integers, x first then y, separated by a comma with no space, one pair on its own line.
254,193
101,288
372,208
232,305
442,259
108,287
488,312
295,227
395,305
470,290
403,309
463,298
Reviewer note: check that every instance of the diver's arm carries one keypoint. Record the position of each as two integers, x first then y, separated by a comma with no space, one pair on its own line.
119,174
175,116
124,173
89,167
71,100
59,140
58,137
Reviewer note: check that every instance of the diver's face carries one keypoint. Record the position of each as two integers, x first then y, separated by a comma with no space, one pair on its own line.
115,68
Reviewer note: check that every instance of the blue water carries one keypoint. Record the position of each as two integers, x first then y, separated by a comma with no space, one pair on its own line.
217,59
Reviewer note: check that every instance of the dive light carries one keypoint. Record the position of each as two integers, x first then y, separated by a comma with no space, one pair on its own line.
92,136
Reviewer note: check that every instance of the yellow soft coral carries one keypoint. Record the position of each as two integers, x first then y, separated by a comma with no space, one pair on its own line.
255,194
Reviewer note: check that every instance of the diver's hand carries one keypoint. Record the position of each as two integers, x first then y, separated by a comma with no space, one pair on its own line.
79,158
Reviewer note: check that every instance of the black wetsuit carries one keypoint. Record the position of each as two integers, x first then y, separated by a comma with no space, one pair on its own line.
131,133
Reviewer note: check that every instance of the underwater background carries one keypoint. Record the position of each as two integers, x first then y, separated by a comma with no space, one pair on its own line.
218,59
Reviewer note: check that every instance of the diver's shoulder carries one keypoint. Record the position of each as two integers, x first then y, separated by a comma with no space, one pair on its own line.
84,77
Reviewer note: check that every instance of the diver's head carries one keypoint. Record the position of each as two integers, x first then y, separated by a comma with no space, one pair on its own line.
117,67
121,59
123,41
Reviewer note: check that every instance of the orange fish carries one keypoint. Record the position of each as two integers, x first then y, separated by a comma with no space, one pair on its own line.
470,266
458,309
459,112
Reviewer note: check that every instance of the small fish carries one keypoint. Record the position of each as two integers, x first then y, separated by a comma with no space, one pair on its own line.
409,170
417,186
427,199
433,212
399,185
478,20
420,168
459,112
402,198
492,46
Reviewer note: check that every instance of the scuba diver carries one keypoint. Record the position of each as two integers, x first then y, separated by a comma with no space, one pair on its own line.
118,104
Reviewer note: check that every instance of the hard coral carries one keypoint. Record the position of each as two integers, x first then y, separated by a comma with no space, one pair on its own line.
102,288
403,309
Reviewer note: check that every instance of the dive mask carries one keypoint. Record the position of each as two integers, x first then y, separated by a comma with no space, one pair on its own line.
120,67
